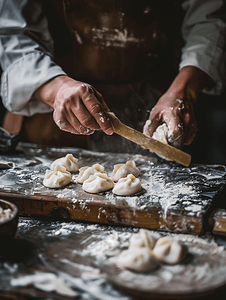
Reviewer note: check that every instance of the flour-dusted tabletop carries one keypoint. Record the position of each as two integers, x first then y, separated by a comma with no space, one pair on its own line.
68,260
173,198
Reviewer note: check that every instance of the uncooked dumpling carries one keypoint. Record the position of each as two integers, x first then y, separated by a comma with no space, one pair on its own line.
99,182
86,172
69,162
169,250
127,186
57,178
122,170
143,239
138,259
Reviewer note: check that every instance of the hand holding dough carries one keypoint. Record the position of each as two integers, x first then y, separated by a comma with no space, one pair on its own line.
86,172
169,250
69,162
122,170
99,182
140,259
127,186
57,178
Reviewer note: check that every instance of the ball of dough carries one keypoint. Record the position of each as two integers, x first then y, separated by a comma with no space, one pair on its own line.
98,182
161,134
69,162
142,239
57,178
138,259
127,186
86,172
122,170
169,250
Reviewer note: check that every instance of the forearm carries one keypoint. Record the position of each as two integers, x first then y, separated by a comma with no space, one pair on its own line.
25,62
47,92
204,31
188,83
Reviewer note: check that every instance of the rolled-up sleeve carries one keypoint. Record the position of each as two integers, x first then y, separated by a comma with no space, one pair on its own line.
204,32
26,65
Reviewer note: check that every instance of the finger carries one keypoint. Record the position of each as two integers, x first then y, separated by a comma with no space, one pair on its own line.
82,115
75,123
96,109
189,124
63,124
101,99
176,127
190,132
155,121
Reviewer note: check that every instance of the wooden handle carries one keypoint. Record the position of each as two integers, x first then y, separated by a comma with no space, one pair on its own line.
147,142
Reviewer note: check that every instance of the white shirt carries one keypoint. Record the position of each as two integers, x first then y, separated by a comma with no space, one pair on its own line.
27,65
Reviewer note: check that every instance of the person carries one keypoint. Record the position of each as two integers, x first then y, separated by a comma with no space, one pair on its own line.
110,57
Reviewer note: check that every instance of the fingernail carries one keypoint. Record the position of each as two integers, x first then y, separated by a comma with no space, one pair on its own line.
109,131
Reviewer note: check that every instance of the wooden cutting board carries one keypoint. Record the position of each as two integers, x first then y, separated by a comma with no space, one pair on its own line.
173,198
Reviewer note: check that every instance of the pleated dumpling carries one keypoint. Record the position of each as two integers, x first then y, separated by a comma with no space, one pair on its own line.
139,259
122,170
69,162
57,178
143,238
86,172
127,186
99,182
169,250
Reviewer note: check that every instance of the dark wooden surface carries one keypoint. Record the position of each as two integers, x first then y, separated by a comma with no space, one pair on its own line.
173,198
61,232
75,249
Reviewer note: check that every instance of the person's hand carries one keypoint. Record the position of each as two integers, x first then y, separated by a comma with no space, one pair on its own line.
176,107
78,107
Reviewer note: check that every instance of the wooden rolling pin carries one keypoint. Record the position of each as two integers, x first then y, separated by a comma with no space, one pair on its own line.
159,148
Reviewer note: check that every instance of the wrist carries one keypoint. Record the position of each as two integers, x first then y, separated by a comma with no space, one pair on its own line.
188,83
47,92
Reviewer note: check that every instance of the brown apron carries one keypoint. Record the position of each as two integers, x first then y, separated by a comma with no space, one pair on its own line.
126,49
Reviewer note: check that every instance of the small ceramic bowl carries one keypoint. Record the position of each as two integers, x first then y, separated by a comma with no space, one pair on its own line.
8,225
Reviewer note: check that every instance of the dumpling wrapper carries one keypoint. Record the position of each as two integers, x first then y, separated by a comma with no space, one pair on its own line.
169,250
69,162
138,259
86,172
143,238
127,186
57,178
97,183
122,170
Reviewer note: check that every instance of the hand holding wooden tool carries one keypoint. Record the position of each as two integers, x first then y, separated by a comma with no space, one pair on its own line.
153,145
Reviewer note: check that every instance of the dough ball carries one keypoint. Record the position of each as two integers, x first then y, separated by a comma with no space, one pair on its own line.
57,178
138,259
69,162
161,133
169,250
122,170
143,239
86,172
99,182
127,186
